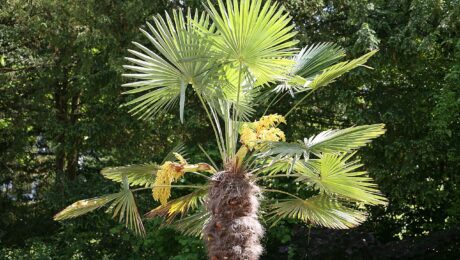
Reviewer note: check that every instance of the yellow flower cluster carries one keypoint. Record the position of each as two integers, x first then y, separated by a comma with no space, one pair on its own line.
168,173
263,130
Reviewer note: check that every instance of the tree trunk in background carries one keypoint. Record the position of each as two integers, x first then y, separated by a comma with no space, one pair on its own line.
234,231
68,138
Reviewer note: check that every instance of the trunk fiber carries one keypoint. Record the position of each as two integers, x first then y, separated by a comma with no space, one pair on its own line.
234,231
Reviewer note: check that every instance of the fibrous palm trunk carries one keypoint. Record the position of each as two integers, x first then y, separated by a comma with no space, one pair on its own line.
234,231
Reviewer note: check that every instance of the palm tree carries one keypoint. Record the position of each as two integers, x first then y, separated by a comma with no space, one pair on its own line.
237,57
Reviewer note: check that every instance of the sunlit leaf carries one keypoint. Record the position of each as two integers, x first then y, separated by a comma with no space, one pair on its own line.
319,210
335,174
257,35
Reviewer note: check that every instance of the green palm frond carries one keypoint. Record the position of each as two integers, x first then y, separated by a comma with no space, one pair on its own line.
334,174
122,205
318,210
330,141
257,35
163,81
125,209
276,166
282,150
309,62
333,72
344,140
137,175
193,224
141,174
181,205
228,94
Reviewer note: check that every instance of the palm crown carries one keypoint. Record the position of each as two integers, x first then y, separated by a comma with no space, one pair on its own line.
236,56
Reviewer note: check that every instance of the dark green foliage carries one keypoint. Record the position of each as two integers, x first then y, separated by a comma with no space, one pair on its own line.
60,77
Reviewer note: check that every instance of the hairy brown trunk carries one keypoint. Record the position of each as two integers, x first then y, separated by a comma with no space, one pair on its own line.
234,231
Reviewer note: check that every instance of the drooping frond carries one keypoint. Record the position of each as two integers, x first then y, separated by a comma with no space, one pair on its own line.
318,210
82,207
138,174
180,205
163,80
335,175
256,34
122,205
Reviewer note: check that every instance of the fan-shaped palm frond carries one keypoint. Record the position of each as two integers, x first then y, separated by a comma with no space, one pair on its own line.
334,174
163,80
255,35
309,62
319,210
122,205
330,141
141,174
333,72
344,140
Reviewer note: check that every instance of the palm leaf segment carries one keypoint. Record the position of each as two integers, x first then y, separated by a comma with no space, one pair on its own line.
163,79
318,210
123,207
315,67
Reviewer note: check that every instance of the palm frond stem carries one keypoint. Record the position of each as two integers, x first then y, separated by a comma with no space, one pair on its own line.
282,192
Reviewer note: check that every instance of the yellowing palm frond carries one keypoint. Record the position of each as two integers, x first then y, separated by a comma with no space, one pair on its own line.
181,205
82,207
122,205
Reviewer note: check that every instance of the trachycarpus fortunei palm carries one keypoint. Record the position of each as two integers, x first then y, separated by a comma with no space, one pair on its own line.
236,56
